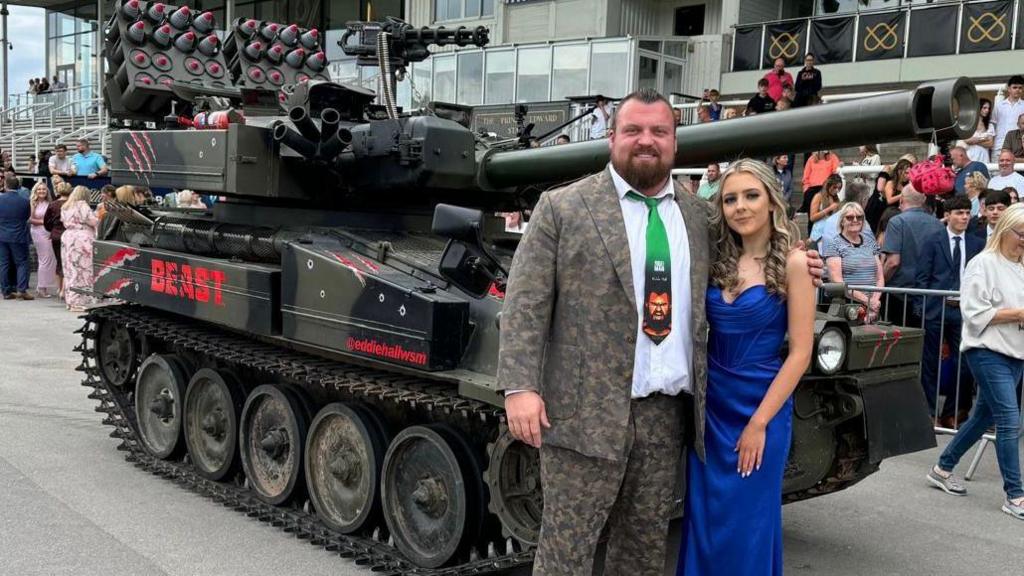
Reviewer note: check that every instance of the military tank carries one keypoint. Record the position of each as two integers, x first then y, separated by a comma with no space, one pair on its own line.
318,349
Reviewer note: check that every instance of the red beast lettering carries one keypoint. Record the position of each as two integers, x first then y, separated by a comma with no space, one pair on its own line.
187,281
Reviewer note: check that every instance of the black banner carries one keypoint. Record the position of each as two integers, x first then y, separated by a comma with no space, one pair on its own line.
832,40
986,27
785,40
932,32
880,36
746,54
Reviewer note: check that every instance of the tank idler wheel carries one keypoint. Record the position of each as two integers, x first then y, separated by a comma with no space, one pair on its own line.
213,405
344,456
159,401
513,480
432,494
272,436
118,353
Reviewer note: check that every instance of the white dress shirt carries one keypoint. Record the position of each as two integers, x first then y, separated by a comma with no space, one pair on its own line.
663,367
963,248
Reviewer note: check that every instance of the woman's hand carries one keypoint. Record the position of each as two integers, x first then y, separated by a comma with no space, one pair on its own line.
750,448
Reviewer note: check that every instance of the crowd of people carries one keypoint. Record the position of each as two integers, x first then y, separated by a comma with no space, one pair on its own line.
57,219
44,86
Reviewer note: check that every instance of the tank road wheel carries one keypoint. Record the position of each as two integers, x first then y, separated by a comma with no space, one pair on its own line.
213,405
344,456
513,477
432,494
159,398
118,353
271,439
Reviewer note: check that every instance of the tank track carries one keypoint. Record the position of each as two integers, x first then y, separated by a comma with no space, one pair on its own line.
374,552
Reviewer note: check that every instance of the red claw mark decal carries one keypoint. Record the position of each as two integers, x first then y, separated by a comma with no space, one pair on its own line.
360,274
117,286
496,292
142,150
372,266
120,258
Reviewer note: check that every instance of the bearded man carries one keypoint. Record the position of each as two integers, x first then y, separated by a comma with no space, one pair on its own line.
605,400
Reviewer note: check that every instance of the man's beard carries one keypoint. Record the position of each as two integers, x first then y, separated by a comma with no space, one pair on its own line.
643,176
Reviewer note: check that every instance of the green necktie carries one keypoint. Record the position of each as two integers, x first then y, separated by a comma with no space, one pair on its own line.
658,274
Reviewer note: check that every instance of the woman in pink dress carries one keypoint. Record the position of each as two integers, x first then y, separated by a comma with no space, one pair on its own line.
46,274
76,248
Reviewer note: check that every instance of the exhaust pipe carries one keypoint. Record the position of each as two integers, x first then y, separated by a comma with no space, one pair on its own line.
300,117
285,135
329,118
338,142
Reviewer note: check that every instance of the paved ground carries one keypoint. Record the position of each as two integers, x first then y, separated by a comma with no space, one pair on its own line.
69,503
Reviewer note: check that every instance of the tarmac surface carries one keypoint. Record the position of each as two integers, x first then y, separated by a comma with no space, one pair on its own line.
71,505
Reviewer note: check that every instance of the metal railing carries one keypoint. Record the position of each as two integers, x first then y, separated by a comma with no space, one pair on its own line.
911,310
25,101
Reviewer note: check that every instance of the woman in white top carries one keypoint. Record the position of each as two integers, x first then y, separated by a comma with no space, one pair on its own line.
979,146
992,306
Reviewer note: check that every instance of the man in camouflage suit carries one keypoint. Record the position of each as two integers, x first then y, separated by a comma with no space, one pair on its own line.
575,360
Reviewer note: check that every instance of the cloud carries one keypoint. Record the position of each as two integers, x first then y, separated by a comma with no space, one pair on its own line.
26,33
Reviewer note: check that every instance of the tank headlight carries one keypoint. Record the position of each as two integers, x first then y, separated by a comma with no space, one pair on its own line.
831,351
852,313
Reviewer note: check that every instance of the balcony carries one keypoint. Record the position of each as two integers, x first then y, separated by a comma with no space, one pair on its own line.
887,47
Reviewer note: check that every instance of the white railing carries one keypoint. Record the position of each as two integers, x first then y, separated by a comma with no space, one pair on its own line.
56,98
95,132
689,109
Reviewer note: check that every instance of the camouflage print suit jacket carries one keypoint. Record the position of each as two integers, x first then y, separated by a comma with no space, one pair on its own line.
569,324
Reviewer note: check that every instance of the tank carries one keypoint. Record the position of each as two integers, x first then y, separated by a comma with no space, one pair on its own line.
318,349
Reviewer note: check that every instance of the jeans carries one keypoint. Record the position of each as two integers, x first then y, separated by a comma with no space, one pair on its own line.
13,256
997,376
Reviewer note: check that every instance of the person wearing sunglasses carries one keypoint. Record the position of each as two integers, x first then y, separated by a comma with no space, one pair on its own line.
853,257
992,305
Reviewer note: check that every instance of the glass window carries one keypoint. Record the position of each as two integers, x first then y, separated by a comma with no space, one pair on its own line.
677,49
673,78
501,69
472,9
569,72
609,56
648,73
440,10
488,8
652,45
533,74
471,78
444,78
403,95
345,71
330,44
421,85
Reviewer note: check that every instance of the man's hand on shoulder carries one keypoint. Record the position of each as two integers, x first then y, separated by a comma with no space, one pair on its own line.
815,265
526,415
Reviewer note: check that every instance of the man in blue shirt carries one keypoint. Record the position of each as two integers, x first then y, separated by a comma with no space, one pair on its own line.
87,163
903,238
964,167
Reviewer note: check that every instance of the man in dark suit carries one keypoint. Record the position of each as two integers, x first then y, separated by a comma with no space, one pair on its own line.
944,256
14,239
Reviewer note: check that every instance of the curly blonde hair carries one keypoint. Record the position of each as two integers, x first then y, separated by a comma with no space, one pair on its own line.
724,271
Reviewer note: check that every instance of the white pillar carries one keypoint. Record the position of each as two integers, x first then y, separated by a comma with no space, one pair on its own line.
5,48
730,16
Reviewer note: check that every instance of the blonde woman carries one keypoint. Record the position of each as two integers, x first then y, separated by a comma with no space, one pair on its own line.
974,185
76,248
992,306
46,273
854,258
733,504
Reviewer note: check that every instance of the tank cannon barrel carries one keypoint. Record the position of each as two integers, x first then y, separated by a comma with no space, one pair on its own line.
944,110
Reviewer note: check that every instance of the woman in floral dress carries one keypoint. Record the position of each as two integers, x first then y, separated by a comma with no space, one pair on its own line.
46,275
76,248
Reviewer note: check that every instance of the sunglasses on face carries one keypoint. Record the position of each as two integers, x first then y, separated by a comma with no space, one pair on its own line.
1020,235
852,218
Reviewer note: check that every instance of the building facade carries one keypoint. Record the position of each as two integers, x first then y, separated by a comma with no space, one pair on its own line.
552,49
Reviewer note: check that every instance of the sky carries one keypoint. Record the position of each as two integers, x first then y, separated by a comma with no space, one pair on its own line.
26,32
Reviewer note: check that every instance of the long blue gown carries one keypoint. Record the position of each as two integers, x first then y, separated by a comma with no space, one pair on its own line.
733,525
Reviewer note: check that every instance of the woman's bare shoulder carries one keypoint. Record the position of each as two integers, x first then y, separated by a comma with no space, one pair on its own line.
796,263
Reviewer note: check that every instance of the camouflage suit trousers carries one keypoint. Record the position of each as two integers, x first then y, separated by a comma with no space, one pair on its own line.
633,497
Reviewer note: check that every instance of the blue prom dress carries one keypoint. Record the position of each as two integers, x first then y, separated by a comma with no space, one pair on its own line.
733,525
